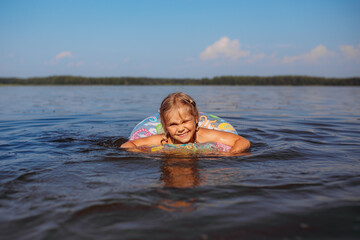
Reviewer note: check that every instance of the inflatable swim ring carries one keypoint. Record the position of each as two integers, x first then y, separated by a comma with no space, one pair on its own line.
152,125
190,147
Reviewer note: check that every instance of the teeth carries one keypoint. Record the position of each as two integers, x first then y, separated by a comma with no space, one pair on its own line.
184,134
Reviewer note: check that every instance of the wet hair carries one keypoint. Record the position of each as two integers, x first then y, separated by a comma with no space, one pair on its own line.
175,101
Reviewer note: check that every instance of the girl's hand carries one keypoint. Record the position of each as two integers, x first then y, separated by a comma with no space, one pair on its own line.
240,145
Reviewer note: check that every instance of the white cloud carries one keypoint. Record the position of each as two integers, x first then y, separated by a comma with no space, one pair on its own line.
313,56
225,48
351,52
58,57
64,55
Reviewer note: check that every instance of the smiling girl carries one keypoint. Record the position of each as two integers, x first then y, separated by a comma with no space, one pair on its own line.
180,118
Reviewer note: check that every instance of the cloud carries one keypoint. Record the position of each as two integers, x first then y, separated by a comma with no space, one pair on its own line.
351,52
58,57
63,55
224,48
313,56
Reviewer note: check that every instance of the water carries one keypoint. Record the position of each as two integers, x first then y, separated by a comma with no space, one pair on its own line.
63,176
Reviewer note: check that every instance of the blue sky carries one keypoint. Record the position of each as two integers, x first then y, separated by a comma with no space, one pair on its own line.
179,38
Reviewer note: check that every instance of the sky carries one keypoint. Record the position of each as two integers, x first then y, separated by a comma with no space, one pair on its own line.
179,38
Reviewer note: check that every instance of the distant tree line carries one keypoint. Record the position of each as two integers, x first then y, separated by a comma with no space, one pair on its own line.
222,80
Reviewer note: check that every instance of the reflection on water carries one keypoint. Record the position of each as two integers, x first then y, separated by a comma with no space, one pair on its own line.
180,172
177,172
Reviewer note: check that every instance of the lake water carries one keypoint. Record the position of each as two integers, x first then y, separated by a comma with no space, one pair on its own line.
63,176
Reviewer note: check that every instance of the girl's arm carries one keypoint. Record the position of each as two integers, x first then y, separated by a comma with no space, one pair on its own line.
153,140
238,144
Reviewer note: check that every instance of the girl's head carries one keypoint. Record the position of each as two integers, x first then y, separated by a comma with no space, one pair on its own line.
179,117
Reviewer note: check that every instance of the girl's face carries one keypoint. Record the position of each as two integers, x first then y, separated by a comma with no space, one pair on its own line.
181,125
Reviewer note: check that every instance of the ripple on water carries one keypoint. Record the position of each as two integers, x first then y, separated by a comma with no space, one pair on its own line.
63,175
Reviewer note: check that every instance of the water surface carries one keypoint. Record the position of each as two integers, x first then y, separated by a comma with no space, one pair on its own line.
63,175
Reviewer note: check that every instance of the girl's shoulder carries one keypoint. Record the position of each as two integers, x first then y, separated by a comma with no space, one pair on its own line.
213,135
211,131
207,135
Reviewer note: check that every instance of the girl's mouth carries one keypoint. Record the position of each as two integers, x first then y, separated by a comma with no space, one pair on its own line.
183,135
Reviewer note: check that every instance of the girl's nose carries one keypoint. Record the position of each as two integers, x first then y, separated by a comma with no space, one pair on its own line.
181,128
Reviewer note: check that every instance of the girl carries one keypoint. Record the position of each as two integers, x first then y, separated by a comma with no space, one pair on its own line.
179,118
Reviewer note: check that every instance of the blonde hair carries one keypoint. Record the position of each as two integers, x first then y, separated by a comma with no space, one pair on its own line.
175,101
